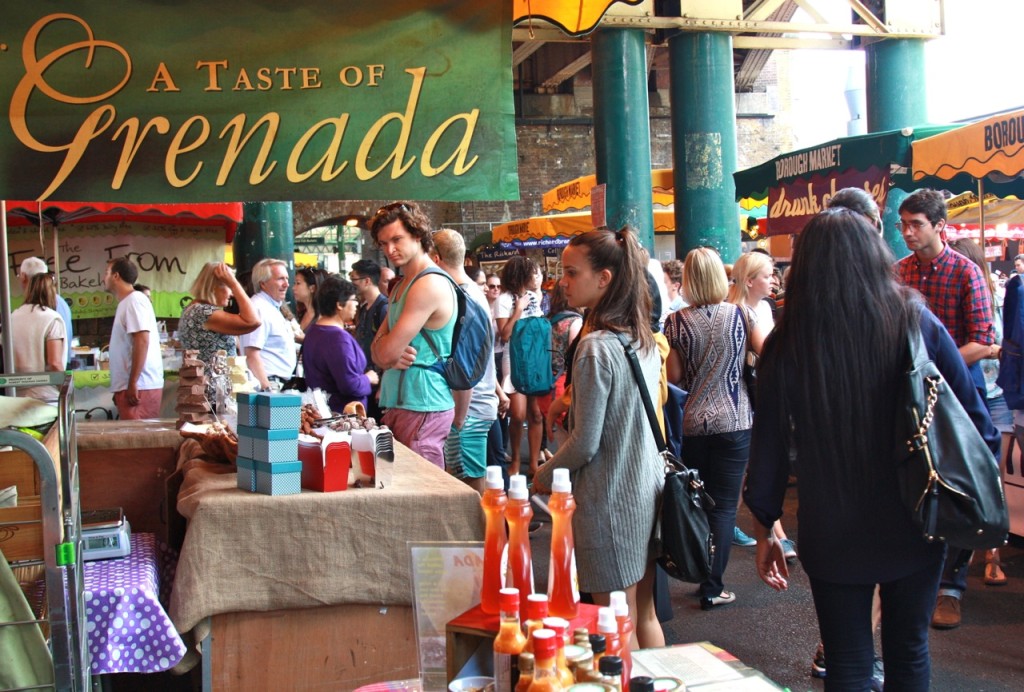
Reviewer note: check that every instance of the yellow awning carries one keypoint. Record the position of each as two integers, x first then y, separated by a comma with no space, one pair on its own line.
537,227
574,17
575,194
994,145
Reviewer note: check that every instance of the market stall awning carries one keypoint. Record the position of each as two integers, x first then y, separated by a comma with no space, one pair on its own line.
222,215
991,150
1000,214
542,231
574,17
575,194
798,184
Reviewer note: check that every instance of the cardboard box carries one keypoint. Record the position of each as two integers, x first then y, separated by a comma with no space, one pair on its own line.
278,411
246,474
278,478
261,444
326,467
246,402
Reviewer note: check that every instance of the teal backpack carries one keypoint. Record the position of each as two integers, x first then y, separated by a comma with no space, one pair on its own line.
530,356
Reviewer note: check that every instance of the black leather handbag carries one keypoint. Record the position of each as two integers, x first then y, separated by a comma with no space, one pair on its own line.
949,478
682,535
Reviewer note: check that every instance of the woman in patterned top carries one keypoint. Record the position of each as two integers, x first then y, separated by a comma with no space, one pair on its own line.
205,326
709,343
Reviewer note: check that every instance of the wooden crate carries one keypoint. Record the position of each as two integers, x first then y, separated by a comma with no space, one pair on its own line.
21,527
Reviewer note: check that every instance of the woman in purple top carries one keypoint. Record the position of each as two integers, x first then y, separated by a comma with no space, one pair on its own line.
332,359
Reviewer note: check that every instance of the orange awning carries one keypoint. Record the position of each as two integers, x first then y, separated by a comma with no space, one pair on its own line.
993,147
574,17
575,194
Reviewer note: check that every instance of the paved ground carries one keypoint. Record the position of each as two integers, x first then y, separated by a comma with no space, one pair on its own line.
777,633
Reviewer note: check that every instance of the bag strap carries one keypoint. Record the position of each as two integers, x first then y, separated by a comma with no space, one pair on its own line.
642,386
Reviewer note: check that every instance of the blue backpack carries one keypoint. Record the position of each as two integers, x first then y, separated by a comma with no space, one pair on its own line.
530,356
472,340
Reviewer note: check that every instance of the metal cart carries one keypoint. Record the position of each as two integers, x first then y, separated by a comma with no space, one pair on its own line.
60,554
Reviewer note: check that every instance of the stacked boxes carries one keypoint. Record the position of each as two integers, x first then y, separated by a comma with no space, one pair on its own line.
268,443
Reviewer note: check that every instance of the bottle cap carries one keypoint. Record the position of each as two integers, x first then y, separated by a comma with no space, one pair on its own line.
526,664
606,621
610,665
557,625
517,487
641,683
536,606
494,479
544,644
560,483
508,600
618,603
598,643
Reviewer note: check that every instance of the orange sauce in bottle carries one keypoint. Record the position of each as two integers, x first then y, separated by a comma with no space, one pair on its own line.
493,503
563,586
536,611
520,560
621,607
545,673
508,643
560,627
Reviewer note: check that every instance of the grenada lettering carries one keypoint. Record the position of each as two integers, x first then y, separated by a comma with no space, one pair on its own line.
183,141
806,161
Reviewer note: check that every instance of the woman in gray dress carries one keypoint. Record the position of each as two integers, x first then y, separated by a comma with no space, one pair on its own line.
617,474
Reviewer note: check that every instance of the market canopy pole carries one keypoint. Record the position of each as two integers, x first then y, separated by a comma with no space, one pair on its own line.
267,231
622,130
896,99
5,291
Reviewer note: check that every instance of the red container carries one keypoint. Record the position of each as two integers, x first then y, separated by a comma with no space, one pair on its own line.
326,475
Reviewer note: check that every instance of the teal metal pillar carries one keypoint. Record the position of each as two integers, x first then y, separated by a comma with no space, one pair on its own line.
704,143
622,130
896,98
266,231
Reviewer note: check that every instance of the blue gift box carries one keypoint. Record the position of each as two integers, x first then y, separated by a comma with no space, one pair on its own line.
279,477
261,444
246,474
246,404
278,411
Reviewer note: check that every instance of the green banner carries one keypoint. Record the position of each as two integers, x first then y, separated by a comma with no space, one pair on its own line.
151,101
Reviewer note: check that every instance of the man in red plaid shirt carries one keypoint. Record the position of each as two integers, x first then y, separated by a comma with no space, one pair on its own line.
957,292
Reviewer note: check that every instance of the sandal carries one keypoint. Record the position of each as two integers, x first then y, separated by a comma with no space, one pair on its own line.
994,575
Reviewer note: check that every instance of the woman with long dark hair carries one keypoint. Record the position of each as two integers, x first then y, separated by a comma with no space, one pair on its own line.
829,387
617,474
38,335
307,281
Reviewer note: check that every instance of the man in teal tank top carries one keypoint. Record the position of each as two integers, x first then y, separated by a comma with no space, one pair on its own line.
419,403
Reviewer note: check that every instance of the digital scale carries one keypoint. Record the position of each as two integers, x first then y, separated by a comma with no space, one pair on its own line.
105,534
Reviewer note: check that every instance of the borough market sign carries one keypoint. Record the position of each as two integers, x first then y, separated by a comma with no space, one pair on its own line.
149,101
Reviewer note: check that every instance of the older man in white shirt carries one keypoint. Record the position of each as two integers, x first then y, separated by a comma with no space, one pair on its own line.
270,350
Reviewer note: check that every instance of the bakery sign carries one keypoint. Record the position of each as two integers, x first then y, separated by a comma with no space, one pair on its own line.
189,101
169,258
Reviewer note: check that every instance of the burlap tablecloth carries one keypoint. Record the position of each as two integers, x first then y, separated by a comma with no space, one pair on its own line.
251,552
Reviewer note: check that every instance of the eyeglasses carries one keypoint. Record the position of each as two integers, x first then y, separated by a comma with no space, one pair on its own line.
490,286
394,206
353,278
908,225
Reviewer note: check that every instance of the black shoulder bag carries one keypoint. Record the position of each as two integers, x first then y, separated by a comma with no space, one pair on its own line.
949,478
682,535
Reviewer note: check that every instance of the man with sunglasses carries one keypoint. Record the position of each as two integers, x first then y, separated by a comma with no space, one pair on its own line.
419,403
372,312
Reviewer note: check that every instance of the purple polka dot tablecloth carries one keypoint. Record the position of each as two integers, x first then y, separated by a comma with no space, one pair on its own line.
128,629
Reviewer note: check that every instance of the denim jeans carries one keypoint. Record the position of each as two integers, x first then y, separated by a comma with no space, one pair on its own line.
844,618
721,461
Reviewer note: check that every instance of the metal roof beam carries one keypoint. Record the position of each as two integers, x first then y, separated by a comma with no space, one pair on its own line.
568,71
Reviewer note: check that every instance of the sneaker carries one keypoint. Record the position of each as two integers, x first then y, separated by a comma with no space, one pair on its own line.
541,503
878,676
947,613
818,662
741,539
788,549
724,598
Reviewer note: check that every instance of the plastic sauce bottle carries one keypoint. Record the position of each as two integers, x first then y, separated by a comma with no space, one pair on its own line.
609,627
598,645
560,626
563,586
520,561
535,612
625,623
526,665
611,671
545,673
493,503
508,643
